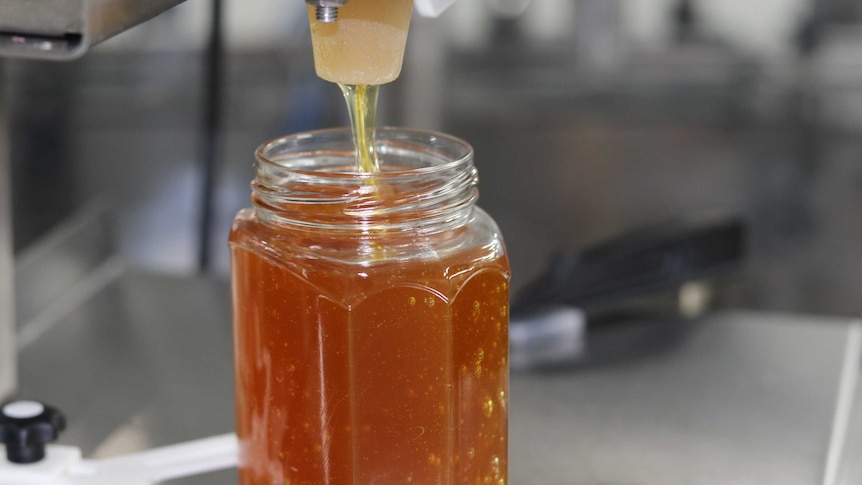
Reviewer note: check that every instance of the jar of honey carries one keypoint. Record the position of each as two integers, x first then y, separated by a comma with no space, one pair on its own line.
370,316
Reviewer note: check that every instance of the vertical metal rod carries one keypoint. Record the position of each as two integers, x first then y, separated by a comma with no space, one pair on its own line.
211,124
8,354
844,404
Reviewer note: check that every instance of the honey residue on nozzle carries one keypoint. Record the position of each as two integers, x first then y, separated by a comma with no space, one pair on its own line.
365,45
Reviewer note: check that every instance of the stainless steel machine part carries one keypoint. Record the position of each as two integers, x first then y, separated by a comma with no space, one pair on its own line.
7,314
66,29
326,10
50,30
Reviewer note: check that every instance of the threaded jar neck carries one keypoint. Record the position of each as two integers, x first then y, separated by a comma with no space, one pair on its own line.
427,182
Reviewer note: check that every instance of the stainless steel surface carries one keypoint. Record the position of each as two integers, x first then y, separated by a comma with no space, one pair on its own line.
150,350
7,313
850,467
145,363
66,29
745,398
49,270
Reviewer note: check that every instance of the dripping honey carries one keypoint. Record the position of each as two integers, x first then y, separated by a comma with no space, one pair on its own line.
362,107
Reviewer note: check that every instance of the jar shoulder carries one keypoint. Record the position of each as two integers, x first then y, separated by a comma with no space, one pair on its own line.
477,240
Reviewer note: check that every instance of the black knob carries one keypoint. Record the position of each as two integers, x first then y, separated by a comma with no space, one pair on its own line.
26,427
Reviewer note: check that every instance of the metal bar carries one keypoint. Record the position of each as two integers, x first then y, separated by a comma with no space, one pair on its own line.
8,353
66,29
211,122
844,404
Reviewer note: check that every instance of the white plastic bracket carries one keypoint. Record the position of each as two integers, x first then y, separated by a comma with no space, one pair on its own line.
432,8
63,465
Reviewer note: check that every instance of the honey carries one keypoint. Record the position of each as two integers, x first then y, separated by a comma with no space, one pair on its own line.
362,108
368,356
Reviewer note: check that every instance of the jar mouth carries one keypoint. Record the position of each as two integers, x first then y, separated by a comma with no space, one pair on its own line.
326,152
427,181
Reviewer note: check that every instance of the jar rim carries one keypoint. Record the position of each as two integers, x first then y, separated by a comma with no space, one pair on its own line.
266,153
427,180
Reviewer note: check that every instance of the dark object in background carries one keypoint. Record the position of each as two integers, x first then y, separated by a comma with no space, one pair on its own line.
26,427
44,188
685,20
601,304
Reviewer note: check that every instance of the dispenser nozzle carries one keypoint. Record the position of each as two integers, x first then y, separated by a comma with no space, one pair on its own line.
326,10
366,44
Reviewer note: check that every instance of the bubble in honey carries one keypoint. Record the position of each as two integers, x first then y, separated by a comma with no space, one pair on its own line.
434,459
429,301
306,425
488,407
477,307
291,368
471,453
318,447
501,398
279,379
412,302
477,362
495,464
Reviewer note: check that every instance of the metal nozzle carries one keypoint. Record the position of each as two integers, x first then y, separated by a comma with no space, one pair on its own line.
326,10
326,14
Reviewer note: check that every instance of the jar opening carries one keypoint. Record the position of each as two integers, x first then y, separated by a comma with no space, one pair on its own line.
427,181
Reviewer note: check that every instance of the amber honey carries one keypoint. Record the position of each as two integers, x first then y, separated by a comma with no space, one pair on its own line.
362,109
367,356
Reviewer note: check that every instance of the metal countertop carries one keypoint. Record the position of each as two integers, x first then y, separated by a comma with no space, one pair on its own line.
743,398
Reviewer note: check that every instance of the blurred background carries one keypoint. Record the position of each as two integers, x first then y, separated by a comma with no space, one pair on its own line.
588,118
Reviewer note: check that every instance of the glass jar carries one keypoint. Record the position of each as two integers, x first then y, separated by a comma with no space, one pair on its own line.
370,316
